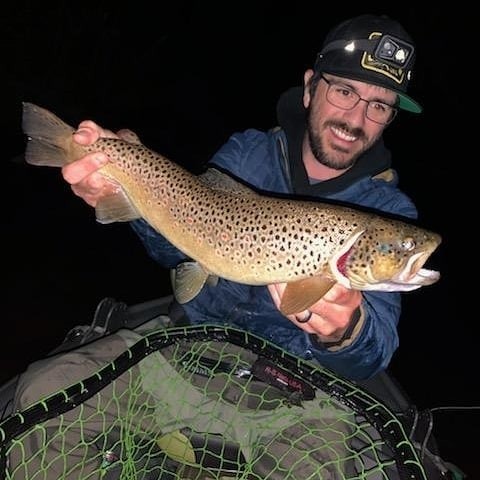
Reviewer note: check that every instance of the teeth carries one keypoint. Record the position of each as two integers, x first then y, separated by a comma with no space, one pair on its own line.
343,135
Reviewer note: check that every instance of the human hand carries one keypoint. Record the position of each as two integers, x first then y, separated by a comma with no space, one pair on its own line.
330,316
82,174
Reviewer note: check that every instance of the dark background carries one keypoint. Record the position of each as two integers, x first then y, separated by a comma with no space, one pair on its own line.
184,77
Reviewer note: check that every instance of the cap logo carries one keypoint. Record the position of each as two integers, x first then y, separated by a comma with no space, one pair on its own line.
369,62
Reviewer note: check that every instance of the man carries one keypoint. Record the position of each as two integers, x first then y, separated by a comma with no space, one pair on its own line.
329,145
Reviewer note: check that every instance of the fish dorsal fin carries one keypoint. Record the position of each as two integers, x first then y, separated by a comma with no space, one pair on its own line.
116,208
188,279
302,294
217,180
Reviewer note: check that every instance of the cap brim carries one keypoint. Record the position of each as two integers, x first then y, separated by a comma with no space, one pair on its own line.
407,103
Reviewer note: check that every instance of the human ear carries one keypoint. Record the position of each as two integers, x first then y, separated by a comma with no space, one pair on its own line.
307,77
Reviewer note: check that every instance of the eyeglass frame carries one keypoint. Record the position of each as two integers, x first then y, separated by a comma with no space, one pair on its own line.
330,83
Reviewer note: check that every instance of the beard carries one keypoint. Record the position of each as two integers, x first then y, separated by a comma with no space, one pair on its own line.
336,160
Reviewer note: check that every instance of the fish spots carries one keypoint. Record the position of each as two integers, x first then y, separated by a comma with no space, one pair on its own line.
239,234
198,238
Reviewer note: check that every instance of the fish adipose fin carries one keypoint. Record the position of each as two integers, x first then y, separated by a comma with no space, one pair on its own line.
188,279
302,294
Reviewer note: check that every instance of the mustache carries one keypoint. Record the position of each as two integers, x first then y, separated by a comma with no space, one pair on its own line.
356,132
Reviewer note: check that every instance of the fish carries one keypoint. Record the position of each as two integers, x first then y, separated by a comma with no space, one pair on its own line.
228,230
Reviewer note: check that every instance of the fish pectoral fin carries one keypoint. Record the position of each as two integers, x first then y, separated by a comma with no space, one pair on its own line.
188,279
302,294
212,280
116,208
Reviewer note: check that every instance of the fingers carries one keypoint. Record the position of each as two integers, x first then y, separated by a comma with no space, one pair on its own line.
276,290
341,295
79,170
90,196
319,325
94,187
89,132
304,317
129,136
83,175
329,315
301,318
86,181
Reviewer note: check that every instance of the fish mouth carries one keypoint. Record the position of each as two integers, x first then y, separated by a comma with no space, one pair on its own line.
414,275
410,277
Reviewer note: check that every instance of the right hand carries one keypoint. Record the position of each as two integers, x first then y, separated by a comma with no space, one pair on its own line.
82,174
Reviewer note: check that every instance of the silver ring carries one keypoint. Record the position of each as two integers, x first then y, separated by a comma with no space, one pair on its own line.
305,318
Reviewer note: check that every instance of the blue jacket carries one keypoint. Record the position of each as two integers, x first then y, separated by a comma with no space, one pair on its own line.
267,161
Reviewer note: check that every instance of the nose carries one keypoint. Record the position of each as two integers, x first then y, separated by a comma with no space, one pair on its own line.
357,116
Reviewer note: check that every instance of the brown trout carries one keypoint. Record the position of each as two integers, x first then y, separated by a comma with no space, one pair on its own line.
230,231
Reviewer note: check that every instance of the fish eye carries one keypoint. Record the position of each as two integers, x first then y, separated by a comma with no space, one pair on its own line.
408,244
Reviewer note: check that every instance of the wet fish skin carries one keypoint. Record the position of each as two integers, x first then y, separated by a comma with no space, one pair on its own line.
232,232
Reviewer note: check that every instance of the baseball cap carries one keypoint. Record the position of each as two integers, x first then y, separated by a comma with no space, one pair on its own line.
373,49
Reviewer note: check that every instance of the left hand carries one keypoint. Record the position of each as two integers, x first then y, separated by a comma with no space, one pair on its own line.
331,315
82,174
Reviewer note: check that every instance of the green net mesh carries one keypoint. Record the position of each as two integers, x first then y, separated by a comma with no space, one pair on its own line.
207,402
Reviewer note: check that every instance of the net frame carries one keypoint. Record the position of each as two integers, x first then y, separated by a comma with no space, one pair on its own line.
368,409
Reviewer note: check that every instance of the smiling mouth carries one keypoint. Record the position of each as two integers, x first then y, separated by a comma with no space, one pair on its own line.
342,134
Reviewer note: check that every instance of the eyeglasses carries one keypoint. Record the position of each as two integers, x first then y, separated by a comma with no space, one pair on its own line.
341,96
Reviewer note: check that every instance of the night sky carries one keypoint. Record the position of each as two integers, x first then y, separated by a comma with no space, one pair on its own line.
185,76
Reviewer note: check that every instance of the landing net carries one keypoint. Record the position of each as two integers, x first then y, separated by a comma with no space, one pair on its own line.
207,403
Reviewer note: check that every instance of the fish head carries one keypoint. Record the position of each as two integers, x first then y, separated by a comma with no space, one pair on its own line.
388,255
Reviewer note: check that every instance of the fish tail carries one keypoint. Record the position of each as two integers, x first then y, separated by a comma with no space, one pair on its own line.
49,138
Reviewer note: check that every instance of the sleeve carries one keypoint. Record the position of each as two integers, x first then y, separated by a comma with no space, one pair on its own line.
373,347
157,246
246,155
